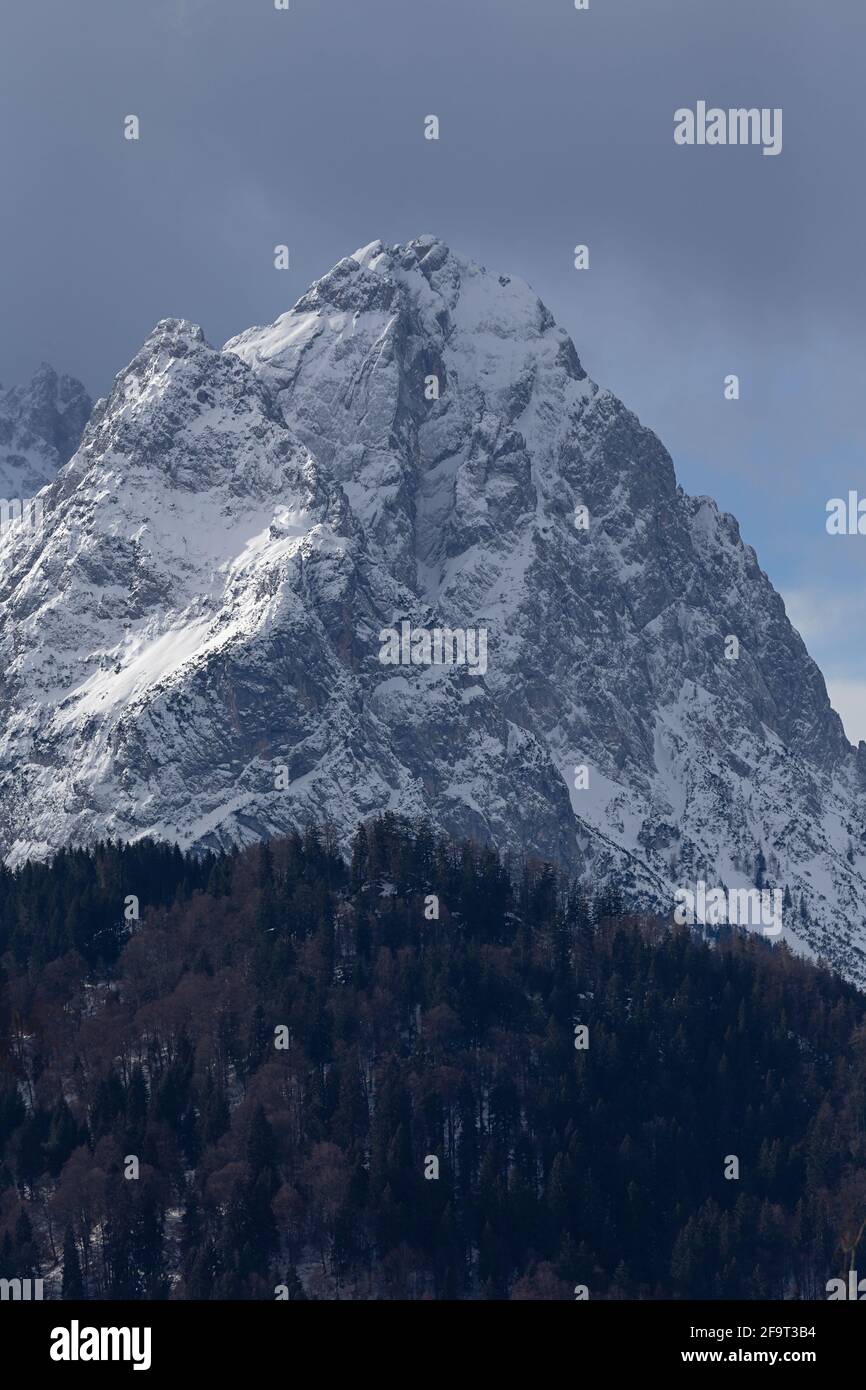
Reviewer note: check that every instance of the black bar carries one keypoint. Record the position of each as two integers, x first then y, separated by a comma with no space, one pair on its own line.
248,1338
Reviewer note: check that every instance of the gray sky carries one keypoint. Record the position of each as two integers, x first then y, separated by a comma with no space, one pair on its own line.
305,127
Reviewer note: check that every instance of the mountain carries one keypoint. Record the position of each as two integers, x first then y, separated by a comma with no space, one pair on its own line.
40,429
191,648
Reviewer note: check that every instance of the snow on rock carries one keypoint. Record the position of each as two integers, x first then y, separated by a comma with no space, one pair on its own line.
191,648
40,429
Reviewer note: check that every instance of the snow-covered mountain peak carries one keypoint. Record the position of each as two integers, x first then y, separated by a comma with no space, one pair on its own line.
424,382
40,427
192,642
422,281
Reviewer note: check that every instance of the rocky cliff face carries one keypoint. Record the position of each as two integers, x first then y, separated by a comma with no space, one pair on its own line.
191,648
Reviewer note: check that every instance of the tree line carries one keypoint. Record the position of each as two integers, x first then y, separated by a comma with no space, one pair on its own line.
428,1072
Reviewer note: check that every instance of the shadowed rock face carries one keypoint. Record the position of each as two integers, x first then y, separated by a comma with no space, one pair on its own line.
191,648
40,429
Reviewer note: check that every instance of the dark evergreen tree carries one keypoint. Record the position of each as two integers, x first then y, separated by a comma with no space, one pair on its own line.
72,1286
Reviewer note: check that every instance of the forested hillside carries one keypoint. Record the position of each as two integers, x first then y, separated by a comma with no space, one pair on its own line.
286,1043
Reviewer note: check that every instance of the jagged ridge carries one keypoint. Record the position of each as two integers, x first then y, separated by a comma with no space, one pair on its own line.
191,649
